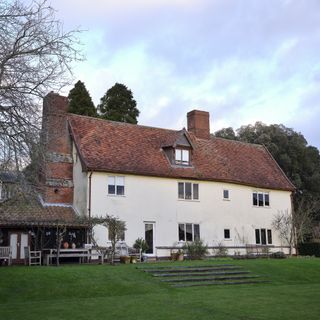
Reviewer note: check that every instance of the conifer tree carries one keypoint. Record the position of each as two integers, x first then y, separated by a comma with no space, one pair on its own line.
80,101
118,105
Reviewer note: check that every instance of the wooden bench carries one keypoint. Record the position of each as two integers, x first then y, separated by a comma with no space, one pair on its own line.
6,255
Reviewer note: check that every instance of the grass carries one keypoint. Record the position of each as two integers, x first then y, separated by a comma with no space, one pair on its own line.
124,292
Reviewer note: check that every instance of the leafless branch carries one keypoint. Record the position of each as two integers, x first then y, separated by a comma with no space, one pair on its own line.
36,55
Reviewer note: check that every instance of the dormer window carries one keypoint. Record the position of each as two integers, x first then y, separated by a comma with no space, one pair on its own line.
182,156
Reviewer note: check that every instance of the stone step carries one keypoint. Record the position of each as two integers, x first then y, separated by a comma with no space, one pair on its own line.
210,283
201,279
190,269
199,273
185,267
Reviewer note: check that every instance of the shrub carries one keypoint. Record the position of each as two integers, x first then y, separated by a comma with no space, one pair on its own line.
196,250
221,251
278,255
309,249
141,244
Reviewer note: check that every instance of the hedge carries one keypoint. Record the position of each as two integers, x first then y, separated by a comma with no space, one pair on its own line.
309,249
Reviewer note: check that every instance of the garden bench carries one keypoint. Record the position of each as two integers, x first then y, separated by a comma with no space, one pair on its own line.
6,255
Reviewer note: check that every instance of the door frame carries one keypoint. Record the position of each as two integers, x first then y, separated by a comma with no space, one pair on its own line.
20,250
153,223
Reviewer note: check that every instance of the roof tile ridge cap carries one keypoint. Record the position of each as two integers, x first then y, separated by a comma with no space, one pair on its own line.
123,123
74,115
285,176
256,145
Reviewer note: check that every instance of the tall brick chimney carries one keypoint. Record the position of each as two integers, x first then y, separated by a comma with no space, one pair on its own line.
198,123
56,173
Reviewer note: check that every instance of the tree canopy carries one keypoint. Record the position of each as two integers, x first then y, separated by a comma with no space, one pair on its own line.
35,58
118,105
80,101
299,161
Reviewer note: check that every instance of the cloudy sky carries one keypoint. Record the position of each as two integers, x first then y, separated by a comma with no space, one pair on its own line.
243,61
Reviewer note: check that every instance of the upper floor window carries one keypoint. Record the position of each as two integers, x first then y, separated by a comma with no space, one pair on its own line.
182,156
260,199
116,185
188,191
189,232
226,194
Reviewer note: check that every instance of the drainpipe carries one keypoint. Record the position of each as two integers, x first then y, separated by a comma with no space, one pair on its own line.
89,209
294,233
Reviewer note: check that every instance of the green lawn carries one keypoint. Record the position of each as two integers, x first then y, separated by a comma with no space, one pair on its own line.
123,292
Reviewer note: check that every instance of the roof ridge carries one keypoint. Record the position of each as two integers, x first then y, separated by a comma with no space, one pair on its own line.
257,145
124,123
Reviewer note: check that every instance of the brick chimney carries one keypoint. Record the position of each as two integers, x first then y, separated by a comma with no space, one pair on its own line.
56,174
198,123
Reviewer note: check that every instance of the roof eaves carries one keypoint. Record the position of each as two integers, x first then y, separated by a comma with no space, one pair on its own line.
170,176
77,144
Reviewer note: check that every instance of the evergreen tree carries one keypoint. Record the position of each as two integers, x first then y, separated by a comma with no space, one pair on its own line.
80,101
118,105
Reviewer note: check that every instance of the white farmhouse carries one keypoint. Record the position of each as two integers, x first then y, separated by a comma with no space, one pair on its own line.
169,186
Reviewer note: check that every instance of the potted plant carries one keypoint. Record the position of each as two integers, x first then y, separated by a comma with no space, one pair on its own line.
180,255
125,259
141,245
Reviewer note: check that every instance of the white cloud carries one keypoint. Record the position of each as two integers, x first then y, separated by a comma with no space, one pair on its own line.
244,61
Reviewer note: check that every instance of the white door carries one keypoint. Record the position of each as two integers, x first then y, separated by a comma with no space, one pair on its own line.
14,244
23,243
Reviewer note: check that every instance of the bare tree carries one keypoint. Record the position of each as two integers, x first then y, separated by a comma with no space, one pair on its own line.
303,217
283,223
116,229
35,57
294,228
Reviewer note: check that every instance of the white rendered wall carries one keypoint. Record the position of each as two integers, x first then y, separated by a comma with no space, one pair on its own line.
80,183
150,199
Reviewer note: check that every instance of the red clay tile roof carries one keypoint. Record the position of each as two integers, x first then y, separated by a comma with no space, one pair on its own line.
133,149
28,211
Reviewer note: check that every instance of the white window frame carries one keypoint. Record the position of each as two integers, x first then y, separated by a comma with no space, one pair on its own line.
116,184
224,234
185,231
192,191
182,156
223,195
263,194
260,238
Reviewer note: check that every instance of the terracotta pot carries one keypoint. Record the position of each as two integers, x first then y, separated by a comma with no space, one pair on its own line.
65,245
180,256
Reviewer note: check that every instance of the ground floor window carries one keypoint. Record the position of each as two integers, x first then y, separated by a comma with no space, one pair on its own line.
227,234
189,232
263,236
